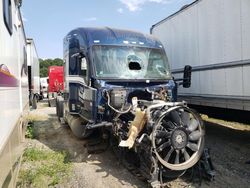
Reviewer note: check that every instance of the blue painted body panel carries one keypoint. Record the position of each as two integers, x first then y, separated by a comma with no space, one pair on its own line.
82,39
108,36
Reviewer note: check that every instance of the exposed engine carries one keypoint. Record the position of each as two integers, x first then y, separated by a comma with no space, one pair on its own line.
162,139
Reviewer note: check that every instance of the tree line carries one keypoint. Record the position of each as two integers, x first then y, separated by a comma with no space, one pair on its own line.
45,63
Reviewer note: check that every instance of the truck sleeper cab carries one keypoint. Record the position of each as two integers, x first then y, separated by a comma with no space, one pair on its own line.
120,80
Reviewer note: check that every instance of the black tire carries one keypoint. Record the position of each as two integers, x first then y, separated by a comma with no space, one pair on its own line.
86,133
60,107
78,127
57,108
30,100
40,97
34,102
53,102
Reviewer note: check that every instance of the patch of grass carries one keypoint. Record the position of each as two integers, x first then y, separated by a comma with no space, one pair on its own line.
229,124
30,131
45,105
43,168
34,116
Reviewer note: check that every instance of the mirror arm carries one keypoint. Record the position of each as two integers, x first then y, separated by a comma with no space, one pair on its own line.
180,83
75,54
178,79
78,54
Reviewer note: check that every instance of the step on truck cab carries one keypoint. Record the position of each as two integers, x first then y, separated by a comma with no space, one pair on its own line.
120,81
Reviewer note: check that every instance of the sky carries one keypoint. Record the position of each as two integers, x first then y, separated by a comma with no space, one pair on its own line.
49,21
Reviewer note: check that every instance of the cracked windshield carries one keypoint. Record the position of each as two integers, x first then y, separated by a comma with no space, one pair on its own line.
130,63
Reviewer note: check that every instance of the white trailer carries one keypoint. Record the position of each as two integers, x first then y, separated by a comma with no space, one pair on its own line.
44,86
213,36
13,90
33,72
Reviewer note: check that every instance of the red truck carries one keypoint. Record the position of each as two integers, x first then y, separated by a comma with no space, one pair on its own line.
56,83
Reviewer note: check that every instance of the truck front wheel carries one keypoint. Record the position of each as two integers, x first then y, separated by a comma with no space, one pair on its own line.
78,126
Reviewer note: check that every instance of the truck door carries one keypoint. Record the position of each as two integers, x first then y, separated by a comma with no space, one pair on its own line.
82,97
87,94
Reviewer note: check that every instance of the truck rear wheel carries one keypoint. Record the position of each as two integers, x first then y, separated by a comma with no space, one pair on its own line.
59,107
52,102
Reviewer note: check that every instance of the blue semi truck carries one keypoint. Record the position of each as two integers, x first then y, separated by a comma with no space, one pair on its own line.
120,81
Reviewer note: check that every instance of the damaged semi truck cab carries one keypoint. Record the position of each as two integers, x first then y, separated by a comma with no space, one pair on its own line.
121,80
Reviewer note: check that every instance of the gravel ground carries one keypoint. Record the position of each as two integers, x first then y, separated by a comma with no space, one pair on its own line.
230,149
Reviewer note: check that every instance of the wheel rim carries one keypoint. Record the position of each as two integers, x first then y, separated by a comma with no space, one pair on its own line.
178,138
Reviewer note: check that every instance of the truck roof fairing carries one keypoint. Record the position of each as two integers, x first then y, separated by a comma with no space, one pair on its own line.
110,36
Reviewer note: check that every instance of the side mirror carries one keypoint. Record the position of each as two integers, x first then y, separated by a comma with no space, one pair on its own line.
187,76
19,3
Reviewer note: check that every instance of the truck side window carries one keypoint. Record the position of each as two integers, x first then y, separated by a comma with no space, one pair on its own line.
84,69
7,14
73,65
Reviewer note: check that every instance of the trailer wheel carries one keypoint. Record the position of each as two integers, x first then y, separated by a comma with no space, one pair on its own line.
41,97
30,99
34,102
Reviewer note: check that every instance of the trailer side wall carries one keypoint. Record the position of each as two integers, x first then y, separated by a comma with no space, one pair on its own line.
33,62
13,93
213,37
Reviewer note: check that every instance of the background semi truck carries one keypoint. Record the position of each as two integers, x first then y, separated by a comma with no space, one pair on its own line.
13,90
56,83
213,37
33,73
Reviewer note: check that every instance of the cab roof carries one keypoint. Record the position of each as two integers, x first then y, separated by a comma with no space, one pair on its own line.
110,36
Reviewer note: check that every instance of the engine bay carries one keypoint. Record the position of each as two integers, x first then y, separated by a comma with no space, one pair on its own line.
166,138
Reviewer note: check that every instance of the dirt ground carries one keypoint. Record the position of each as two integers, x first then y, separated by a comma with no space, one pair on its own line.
230,149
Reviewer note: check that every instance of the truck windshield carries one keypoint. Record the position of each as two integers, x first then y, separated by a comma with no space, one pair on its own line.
126,62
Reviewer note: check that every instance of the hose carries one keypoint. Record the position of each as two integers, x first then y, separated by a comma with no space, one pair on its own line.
117,111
